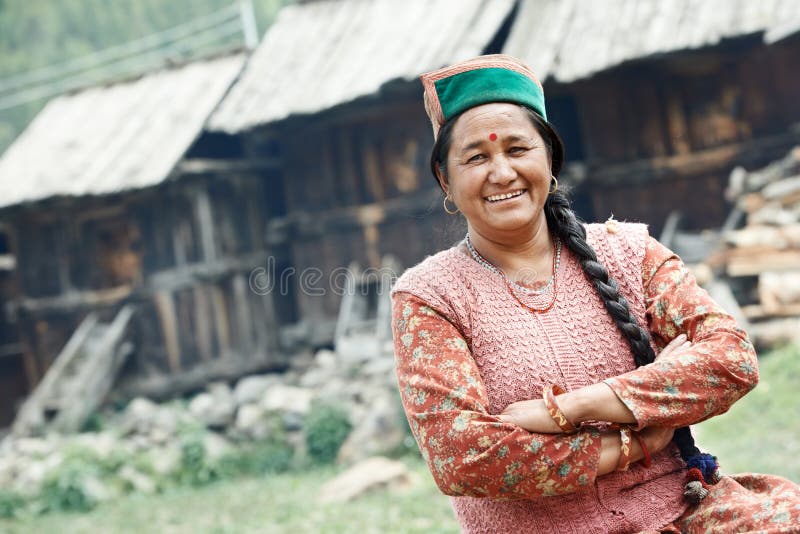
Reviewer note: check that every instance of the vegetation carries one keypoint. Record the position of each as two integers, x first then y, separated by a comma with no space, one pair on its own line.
41,34
326,428
265,488
277,504
761,432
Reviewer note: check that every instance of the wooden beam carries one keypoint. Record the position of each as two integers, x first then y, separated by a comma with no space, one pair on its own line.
165,306
750,263
205,221
304,225
166,386
221,320
74,300
757,311
201,166
719,159
243,319
202,313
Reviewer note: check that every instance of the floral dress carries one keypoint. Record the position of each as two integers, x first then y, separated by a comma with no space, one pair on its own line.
440,383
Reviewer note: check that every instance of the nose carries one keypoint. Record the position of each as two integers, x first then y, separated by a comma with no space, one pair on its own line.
502,171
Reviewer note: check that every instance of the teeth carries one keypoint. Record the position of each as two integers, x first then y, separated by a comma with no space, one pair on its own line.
495,198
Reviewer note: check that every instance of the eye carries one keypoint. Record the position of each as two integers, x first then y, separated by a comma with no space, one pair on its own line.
474,158
517,149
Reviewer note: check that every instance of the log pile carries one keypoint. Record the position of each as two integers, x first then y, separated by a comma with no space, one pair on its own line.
763,256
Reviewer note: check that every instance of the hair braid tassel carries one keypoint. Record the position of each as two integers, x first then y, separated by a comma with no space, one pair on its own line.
703,469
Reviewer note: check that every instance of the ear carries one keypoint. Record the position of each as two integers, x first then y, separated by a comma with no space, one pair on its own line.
441,178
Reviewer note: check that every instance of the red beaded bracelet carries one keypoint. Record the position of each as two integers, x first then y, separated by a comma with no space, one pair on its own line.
549,398
625,448
646,461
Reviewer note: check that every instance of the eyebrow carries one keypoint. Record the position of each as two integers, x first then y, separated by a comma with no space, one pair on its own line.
479,142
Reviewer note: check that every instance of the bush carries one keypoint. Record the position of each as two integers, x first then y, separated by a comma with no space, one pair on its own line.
194,469
11,503
267,456
69,488
326,428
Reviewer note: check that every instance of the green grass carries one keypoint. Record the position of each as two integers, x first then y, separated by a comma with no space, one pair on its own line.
761,432
284,503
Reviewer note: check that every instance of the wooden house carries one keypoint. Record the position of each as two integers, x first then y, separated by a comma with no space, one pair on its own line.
313,157
656,102
101,207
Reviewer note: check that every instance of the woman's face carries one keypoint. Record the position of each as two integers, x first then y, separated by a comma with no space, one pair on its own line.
498,170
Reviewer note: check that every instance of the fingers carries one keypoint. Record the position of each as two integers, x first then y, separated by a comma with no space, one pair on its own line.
679,343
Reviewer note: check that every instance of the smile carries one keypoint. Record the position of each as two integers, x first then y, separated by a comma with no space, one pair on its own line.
504,196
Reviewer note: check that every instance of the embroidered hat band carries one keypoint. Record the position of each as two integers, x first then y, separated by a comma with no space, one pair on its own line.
481,80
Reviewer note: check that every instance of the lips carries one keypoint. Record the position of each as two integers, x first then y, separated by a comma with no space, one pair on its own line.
505,196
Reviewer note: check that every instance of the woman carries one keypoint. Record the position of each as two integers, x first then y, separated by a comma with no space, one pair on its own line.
525,354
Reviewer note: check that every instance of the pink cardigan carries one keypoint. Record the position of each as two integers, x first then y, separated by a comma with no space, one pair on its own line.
574,344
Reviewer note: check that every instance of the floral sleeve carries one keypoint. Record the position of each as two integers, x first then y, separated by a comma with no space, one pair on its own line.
470,452
718,369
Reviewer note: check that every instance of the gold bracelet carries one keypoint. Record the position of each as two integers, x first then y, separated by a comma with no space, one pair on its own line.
549,398
625,448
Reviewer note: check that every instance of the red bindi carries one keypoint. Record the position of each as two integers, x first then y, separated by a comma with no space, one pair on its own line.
493,137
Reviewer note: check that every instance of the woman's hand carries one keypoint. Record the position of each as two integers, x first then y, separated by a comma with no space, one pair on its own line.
655,437
679,343
530,415
597,402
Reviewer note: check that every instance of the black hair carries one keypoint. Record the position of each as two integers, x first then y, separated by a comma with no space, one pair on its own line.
562,221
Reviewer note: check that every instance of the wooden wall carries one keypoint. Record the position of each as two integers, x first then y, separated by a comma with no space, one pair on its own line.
664,134
183,253
358,188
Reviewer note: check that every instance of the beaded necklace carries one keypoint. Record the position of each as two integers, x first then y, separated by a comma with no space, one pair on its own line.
552,281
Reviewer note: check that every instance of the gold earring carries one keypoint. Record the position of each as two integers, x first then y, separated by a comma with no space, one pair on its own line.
444,203
556,187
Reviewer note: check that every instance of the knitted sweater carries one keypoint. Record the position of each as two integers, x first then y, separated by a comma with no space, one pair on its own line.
517,353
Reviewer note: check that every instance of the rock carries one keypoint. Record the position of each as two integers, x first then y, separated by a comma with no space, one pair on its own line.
379,367
215,446
167,419
251,421
97,490
214,409
165,460
289,399
7,472
292,421
379,432
326,359
35,447
137,480
138,416
30,476
371,474
251,389
100,444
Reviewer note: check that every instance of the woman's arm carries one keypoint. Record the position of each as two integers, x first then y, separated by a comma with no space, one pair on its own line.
688,382
469,451
704,380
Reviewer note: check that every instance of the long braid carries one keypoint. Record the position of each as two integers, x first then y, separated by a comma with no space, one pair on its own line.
562,220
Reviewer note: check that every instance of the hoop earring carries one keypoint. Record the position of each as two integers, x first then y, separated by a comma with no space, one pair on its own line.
444,203
554,188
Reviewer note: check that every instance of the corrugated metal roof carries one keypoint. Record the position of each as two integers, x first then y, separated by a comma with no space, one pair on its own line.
572,39
108,139
321,54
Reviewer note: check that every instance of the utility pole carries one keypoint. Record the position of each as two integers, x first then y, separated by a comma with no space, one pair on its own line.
249,29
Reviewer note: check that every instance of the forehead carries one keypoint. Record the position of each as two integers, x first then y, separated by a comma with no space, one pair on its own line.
495,117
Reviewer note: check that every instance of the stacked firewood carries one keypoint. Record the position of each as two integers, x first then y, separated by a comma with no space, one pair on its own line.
764,255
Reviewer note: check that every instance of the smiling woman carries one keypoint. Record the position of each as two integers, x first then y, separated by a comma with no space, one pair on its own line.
549,368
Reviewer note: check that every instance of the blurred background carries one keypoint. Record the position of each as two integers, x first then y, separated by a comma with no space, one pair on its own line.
203,206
